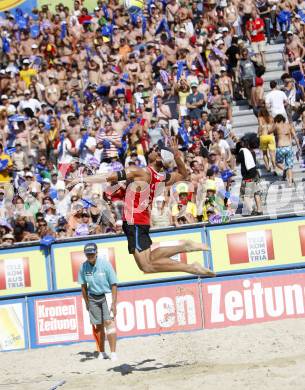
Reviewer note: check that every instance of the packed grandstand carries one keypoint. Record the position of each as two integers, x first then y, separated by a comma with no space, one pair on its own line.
87,91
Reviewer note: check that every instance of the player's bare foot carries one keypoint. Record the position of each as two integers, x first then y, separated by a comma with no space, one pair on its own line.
192,246
198,269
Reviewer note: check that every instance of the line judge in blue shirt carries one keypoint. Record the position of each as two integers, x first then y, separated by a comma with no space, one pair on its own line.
99,289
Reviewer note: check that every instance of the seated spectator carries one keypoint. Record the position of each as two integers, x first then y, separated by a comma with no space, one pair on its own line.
184,211
160,213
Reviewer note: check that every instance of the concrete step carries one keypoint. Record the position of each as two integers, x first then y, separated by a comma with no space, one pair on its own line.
274,66
274,75
276,56
276,48
241,111
247,120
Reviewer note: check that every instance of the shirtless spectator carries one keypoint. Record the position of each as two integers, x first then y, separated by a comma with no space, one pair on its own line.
284,133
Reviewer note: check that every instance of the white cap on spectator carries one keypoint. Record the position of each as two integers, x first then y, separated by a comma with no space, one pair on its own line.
223,69
46,180
26,61
225,29
182,30
51,76
27,92
29,174
34,46
289,32
218,36
2,71
219,42
4,97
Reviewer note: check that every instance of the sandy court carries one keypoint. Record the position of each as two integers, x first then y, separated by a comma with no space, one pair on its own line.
262,356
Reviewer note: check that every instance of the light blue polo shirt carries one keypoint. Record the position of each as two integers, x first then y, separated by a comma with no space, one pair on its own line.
99,278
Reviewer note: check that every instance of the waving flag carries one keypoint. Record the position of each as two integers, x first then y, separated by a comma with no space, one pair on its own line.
180,65
61,145
163,26
3,164
63,30
83,142
6,47
35,31
183,135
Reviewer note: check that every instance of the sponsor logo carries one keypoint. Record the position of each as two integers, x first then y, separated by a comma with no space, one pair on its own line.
56,320
14,273
250,247
302,239
237,302
77,258
157,310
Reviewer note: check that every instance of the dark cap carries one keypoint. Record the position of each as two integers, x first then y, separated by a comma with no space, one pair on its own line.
90,248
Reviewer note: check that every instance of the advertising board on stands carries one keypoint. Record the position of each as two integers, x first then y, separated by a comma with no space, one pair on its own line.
253,298
145,310
23,271
13,325
257,246
67,258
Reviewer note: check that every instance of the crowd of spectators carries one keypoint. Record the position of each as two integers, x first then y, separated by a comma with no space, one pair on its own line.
86,91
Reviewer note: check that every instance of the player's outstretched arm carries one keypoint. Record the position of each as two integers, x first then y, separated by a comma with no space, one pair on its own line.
181,174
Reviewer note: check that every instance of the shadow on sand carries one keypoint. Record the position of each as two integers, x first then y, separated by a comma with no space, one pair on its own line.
125,369
88,356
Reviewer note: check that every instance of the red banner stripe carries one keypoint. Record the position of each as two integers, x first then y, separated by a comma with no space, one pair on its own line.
2,276
269,241
237,247
26,272
302,239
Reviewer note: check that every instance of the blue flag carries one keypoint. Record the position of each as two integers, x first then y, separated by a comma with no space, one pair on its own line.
61,146
35,31
63,30
144,25
184,135
76,107
3,164
105,11
83,142
6,47
158,59
179,69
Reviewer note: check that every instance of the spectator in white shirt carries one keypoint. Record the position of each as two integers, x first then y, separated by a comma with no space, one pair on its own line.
64,149
276,101
28,104
85,145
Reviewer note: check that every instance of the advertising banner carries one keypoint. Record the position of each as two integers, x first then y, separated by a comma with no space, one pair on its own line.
23,271
13,334
257,246
253,298
67,258
150,309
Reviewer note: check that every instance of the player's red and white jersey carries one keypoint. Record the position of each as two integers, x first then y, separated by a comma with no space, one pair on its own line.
138,201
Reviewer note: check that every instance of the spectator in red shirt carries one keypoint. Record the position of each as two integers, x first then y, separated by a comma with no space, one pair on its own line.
255,33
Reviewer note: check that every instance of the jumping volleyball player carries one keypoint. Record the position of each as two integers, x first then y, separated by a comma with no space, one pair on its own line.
136,221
